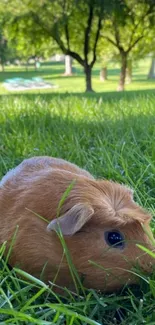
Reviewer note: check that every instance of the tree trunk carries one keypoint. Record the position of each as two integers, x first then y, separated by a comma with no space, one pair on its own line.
27,65
35,64
151,73
129,72
68,66
123,72
103,74
2,64
87,71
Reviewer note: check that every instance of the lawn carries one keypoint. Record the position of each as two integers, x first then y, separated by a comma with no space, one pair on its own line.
53,72
110,134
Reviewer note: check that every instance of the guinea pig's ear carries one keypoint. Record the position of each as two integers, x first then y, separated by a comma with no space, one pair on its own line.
73,220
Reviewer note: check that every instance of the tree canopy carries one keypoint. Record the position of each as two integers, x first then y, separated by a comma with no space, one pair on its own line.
127,28
74,25
80,28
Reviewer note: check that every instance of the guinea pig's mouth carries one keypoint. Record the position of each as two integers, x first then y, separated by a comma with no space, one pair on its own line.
109,282
144,265
108,279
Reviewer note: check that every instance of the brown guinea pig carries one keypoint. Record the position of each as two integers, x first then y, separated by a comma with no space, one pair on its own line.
99,219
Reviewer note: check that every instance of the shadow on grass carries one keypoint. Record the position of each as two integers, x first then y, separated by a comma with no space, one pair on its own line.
54,69
29,74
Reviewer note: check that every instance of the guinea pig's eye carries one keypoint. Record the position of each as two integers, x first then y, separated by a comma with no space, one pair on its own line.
114,238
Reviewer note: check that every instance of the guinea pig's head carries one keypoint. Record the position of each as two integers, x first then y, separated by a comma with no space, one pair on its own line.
102,226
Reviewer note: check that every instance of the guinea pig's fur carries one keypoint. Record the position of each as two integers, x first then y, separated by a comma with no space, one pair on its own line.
92,207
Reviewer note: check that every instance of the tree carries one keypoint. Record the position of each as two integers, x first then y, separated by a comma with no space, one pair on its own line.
68,65
151,73
74,25
151,51
106,53
7,53
27,46
3,49
127,28
143,48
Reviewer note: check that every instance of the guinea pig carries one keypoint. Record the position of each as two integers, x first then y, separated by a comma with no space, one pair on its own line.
99,220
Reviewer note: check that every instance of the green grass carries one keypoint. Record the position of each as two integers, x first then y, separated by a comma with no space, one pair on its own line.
110,134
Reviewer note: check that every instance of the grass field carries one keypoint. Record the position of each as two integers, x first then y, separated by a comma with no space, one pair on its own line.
76,84
110,134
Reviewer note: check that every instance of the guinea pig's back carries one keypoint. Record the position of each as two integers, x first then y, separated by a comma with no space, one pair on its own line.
36,185
30,168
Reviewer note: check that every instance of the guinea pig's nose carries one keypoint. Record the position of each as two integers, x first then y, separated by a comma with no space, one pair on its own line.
147,264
